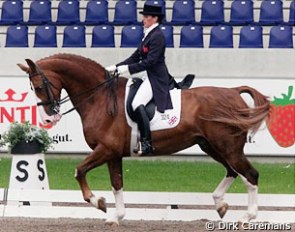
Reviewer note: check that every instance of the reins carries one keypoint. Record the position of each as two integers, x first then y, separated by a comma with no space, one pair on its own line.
55,104
109,79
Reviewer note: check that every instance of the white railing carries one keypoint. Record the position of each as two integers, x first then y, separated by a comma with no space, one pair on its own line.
142,205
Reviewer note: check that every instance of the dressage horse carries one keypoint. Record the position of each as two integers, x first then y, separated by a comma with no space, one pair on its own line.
217,119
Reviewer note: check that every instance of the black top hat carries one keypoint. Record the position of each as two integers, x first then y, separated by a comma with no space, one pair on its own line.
152,10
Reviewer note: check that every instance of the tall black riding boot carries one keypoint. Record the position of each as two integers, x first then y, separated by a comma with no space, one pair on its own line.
145,144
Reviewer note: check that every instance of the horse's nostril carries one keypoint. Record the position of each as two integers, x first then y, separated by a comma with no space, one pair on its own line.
47,121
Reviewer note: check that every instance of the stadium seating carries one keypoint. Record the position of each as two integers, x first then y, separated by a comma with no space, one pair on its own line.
212,12
221,36
131,35
181,26
74,36
45,36
168,33
271,12
68,12
103,36
40,12
281,37
125,12
292,13
241,12
97,12
191,37
251,37
17,36
183,12
12,12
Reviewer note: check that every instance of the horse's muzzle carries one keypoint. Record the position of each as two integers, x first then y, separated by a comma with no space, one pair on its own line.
51,120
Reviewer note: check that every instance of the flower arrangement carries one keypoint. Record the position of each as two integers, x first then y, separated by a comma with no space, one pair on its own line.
28,133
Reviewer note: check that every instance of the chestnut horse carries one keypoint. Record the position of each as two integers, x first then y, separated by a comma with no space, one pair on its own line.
217,119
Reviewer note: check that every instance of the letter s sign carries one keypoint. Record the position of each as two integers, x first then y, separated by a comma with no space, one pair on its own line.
41,170
20,167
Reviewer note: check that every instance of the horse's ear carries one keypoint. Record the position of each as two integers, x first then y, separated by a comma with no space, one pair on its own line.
31,64
24,68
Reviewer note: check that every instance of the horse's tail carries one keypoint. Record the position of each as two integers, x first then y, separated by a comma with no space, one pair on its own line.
244,118
259,99
261,111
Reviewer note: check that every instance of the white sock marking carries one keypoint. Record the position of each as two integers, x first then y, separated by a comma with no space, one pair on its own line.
252,200
218,194
120,206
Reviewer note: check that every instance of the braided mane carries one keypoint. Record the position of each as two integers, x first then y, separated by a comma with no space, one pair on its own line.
67,56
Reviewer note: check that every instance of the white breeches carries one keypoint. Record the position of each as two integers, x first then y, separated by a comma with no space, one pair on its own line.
144,93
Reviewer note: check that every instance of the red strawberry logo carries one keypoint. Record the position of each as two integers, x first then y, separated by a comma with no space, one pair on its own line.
281,122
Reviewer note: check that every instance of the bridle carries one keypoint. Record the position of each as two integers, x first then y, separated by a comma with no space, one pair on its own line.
54,104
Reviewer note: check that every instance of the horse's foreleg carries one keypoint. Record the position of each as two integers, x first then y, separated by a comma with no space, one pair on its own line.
95,159
116,175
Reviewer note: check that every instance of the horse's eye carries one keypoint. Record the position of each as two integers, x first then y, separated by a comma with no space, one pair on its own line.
39,89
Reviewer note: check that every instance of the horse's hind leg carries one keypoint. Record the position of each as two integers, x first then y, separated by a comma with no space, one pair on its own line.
249,176
218,194
231,147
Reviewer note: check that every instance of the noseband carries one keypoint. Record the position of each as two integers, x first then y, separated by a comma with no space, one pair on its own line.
48,87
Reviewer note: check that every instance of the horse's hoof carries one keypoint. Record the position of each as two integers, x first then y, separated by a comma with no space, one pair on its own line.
101,204
113,224
222,210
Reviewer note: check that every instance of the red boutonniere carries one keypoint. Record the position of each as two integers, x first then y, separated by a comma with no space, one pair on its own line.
145,49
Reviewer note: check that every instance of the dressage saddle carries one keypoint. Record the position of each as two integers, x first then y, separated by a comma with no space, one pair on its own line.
151,107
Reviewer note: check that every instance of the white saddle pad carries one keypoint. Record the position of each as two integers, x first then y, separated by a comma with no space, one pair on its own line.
167,120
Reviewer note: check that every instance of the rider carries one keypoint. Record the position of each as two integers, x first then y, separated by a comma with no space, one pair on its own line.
149,57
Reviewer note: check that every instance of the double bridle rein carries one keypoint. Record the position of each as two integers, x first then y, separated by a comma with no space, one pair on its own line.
54,104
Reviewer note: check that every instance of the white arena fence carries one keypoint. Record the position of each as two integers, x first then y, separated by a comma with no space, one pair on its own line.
274,208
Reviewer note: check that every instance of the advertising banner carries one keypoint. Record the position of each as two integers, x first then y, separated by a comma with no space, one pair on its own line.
18,103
